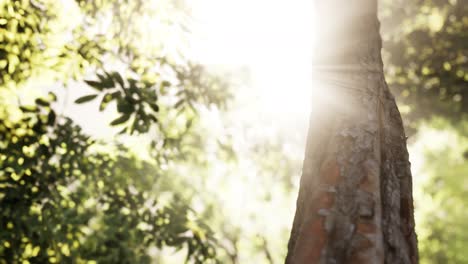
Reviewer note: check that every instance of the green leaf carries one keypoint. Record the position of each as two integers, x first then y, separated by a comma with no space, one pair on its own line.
101,77
123,106
107,98
165,84
120,120
52,96
153,118
103,83
108,82
42,102
179,103
132,82
123,131
85,98
154,106
104,103
51,118
95,85
28,108
116,76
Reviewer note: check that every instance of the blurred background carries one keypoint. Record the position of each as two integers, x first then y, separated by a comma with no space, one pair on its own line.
172,131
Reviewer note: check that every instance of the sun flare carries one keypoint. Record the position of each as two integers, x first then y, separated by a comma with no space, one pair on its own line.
273,39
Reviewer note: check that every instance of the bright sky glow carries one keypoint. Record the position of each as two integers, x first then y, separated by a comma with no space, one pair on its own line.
254,32
274,39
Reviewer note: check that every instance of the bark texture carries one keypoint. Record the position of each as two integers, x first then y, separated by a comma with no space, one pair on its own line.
355,200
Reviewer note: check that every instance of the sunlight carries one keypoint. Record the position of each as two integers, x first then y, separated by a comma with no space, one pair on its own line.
273,39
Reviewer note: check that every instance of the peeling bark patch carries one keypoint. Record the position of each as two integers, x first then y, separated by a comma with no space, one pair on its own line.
326,200
330,173
371,168
366,204
366,227
360,245
311,244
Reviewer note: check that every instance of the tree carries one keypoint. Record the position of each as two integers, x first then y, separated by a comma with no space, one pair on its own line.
355,200
64,198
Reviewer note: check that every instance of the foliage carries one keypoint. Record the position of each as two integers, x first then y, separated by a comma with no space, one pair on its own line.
22,35
137,99
441,194
38,37
247,177
62,201
63,198
426,62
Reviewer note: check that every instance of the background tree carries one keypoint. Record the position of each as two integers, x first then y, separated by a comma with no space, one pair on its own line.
426,66
62,198
425,57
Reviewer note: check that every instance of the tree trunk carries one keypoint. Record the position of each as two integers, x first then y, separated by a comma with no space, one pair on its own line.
355,200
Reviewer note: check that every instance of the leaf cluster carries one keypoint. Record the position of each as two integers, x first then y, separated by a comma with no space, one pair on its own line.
425,56
63,202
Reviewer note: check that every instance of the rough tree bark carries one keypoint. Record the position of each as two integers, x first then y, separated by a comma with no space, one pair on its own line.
355,200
